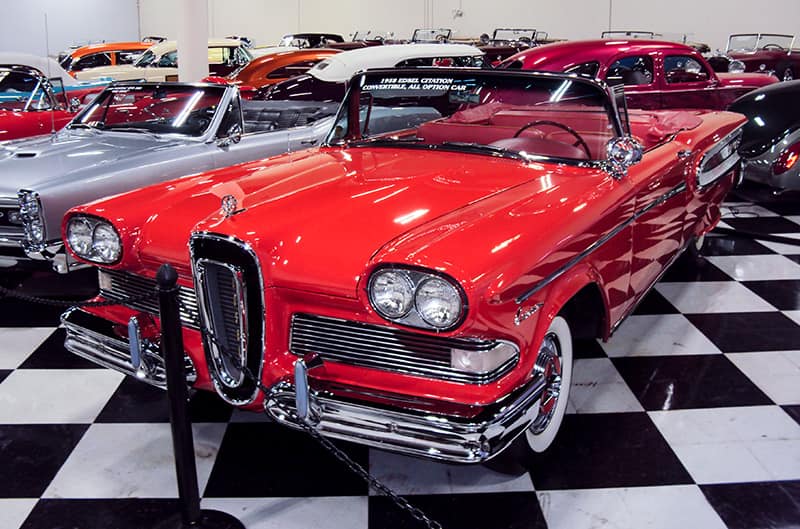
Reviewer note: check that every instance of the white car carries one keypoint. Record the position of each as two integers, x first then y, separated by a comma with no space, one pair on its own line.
160,62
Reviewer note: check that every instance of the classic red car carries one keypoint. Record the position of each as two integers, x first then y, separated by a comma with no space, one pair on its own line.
761,52
416,290
656,74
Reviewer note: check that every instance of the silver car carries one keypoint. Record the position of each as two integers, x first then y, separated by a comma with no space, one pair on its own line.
132,135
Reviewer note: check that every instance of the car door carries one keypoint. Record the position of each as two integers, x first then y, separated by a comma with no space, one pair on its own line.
658,228
635,71
687,82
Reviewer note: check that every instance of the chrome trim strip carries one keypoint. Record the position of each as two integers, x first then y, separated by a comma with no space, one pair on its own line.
680,188
89,341
414,433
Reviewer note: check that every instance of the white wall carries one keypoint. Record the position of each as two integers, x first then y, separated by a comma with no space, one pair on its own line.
22,23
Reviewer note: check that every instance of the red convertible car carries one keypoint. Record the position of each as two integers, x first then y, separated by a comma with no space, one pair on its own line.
761,52
656,74
418,290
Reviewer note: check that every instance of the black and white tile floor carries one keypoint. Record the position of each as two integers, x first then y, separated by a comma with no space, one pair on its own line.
688,418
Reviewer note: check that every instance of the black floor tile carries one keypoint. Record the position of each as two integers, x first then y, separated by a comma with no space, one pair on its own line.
790,205
772,505
655,303
4,373
748,331
782,294
793,411
95,514
583,348
600,450
52,355
294,465
16,313
31,454
135,401
795,258
689,269
509,510
762,225
733,245
688,381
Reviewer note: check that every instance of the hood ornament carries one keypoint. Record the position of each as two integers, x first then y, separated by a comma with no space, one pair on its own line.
229,206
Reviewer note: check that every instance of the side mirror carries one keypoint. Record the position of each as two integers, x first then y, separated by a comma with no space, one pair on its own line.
621,153
234,136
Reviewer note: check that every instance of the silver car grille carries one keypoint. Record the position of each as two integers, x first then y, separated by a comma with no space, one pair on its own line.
11,234
386,348
121,286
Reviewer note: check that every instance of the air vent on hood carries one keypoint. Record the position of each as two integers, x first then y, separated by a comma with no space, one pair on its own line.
26,154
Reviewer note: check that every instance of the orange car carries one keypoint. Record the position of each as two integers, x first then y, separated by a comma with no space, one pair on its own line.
102,54
275,67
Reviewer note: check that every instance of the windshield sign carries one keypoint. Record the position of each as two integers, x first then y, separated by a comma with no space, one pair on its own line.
158,109
529,117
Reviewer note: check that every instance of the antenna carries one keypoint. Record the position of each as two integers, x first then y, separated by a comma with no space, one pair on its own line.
47,60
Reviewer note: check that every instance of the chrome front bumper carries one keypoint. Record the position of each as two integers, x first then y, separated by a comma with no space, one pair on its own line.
94,338
413,433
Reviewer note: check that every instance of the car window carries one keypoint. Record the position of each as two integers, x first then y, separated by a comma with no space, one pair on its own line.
631,71
232,121
219,55
169,60
92,61
126,57
684,69
586,68
291,70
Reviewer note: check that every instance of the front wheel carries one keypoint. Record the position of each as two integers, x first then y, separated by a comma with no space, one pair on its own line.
554,364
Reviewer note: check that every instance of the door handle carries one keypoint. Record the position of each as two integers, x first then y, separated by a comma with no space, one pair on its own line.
308,142
683,154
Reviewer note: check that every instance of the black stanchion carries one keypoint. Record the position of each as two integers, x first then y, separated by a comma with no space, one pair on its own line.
191,516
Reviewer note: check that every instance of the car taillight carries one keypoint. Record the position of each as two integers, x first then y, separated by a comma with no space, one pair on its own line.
787,159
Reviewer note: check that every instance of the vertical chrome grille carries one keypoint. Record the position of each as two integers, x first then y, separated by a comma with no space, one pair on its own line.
224,317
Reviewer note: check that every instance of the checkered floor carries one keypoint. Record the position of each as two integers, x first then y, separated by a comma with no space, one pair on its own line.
688,417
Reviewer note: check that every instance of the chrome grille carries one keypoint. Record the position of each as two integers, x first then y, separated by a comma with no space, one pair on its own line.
11,233
120,286
386,348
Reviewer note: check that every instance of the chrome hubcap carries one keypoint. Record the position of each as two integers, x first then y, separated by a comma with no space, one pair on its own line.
548,365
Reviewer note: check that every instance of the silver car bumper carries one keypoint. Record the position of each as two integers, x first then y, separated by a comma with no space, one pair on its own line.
413,433
94,339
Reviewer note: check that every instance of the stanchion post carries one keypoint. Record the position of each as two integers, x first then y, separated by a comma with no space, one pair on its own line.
191,516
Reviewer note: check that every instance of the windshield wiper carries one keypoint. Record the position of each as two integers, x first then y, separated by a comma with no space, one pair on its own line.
481,148
80,126
139,130
382,141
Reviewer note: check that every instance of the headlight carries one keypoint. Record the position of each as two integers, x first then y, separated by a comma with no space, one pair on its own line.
93,239
416,298
30,213
736,66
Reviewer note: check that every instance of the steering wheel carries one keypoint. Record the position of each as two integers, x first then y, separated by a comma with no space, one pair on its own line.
579,140
772,46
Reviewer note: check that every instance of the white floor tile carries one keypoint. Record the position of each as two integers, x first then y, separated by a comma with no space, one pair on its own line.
781,248
14,511
131,461
408,475
19,343
777,373
597,387
291,513
794,218
656,335
793,314
745,210
756,443
713,296
675,507
31,396
757,267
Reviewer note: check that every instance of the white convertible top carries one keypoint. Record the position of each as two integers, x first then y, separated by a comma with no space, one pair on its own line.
167,46
342,66
47,65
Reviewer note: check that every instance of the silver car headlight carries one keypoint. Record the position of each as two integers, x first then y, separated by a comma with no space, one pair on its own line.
30,214
93,239
417,298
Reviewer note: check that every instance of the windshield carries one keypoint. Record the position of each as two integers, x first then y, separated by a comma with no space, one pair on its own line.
514,35
522,116
431,35
22,91
753,42
145,59
627,35
154,108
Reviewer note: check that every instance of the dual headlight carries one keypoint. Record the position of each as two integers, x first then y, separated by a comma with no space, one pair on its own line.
93,239
30,214
416,298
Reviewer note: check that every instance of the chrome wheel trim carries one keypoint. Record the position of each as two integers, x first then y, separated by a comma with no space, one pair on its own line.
557,357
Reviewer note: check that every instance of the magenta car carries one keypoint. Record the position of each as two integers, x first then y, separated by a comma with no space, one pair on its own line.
656,74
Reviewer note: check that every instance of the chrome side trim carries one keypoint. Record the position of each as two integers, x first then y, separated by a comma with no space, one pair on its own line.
89,336
680,188
419,434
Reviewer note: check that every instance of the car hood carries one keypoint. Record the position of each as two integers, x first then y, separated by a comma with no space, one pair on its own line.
70,156
746,79
125,72
317,217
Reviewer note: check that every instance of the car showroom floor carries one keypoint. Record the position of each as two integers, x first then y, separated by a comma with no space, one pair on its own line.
688,417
